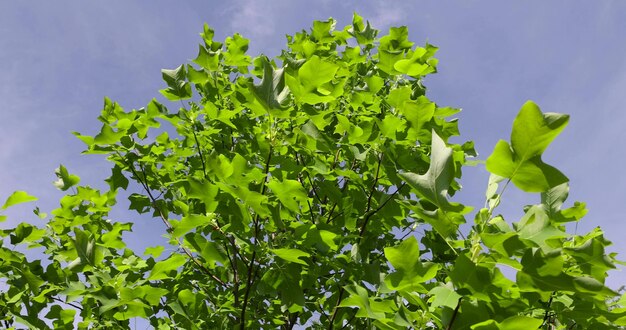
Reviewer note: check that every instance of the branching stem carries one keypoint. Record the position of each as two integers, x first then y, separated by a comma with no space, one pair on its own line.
256,241
144,183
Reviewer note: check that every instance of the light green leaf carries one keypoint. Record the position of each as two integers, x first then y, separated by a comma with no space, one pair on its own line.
535,226
291,255
413,66
410,271
65,316
418,112
162,269
272,93
108,136
18,197
178,87
315,72
553,198
236,47
66,180
207,59
154,251
434,184
521,161
289,192
516,322
519,322
25,232
313,83
190,222
197,76
443,296
365,305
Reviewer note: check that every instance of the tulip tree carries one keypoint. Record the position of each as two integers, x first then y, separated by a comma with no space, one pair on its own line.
315,189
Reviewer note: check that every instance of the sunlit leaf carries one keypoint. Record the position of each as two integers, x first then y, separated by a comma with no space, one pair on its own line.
18,197
434,184
521,161
163,269
66,180
291,255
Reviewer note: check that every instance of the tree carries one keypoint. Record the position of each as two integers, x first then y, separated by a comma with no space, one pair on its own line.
311,189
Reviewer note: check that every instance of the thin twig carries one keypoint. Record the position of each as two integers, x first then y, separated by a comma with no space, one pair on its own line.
199,152
370,214
167,223
336,309
454,314
369,198
67,303
348,321
250,279
546,316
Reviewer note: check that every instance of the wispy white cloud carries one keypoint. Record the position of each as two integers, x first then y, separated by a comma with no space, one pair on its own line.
253,18
390,13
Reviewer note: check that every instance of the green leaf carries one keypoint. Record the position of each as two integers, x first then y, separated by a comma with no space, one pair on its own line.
443,296
359,298
196,76
66,180
64,316
519,322
207,59
314,81
88,252
154,251
211,251
291,255
178,87
272,93
552,201
521,161
190,222
538,275
108,136
117,179
25,232
236,47
363,33
163,269
553,198
418,113
434,184
18,197
289,192
535,226
204,191
413,66
410,271
516,322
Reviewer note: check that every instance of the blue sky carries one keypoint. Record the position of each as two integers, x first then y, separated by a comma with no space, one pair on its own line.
59,59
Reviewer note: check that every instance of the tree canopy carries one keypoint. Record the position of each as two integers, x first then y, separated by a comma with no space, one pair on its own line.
315,189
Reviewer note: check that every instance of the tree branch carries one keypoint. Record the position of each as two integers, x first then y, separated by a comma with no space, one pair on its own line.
454,314
256,241
67,303
376,210
166,221
336,309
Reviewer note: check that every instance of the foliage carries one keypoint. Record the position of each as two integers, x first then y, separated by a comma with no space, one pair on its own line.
313,190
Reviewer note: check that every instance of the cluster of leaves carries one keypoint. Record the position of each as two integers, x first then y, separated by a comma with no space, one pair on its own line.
312,189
